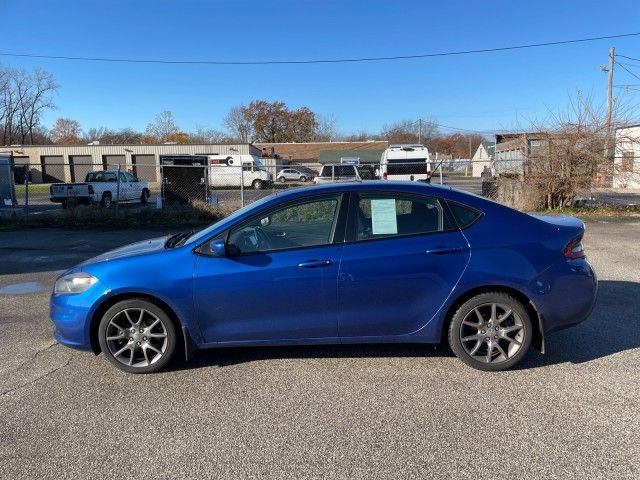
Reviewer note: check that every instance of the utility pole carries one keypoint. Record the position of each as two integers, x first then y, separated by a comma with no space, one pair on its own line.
607,140
420,131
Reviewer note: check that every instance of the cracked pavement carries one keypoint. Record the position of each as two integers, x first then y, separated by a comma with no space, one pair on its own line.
395,411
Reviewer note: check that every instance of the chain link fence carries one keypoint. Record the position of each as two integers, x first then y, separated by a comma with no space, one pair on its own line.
154,186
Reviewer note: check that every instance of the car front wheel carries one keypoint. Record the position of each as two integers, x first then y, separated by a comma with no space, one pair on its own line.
137,336
491,332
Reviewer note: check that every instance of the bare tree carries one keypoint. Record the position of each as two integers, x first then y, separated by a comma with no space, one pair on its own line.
238,124
24,96
410,131
208,135
163,127
66,131
326,130
565,156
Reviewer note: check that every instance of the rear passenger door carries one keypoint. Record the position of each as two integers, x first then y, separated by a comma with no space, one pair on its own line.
402,259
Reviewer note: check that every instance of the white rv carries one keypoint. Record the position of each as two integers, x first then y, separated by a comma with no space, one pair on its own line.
405,162
225,171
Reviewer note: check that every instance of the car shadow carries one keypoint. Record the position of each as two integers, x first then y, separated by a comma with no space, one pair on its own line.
613,327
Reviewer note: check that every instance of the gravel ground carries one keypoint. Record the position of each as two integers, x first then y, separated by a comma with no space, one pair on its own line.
316,412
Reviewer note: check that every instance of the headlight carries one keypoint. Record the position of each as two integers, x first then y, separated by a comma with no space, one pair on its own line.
74,283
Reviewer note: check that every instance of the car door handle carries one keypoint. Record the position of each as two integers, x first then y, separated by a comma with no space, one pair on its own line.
442,250
281,234
315,263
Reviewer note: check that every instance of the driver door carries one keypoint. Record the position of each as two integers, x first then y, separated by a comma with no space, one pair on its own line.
278,281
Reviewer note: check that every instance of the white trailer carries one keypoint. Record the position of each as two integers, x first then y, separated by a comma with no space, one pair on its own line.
405,162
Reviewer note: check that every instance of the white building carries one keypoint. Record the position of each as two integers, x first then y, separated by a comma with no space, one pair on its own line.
626,173
482,158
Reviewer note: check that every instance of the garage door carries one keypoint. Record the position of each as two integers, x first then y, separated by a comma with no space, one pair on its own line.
19,170
111,162
52,168
80,166
145,167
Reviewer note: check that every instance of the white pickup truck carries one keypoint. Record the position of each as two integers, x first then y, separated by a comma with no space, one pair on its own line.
337,174
101,187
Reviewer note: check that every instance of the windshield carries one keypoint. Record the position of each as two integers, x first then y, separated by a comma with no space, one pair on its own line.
202,234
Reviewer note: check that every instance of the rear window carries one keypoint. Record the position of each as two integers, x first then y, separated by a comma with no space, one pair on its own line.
463,215
96,177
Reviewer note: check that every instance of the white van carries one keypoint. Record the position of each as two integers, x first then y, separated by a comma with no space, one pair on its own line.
405,162
225,171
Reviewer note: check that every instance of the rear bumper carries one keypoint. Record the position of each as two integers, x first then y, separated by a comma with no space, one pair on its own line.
565,294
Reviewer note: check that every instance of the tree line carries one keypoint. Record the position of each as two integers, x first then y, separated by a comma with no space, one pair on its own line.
24,97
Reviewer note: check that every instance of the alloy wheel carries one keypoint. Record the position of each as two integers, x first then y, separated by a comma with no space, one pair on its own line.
492,333
136,337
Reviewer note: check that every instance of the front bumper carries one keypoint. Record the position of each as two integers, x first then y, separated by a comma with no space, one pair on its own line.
72,314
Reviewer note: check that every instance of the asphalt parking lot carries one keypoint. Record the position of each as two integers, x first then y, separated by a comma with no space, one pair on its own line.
317,412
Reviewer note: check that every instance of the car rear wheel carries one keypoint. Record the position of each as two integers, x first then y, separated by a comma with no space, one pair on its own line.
106,201
491,332
282,179
303,178
257,184
145,196
137,336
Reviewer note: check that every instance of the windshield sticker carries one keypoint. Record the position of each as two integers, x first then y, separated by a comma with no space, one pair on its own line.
383,216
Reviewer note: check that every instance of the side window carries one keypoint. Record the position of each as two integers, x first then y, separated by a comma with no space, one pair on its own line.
388,215
463,215
123,178
303,224
129,177
110,177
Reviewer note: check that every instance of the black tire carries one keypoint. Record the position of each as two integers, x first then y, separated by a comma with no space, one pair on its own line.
106,201
519,321
154,312
64,204
257,184
144,198
303,179
282,179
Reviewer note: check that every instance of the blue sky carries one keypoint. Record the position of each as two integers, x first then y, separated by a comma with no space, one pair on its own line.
484,91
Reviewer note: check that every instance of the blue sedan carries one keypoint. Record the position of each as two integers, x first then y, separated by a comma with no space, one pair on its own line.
374,262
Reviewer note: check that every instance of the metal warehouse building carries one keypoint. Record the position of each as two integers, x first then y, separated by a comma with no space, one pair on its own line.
70,163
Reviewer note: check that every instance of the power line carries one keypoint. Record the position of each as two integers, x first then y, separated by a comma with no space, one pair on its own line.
337,60
628,71
629,58
448,127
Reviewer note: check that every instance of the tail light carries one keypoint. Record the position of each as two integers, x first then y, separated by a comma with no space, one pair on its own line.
385,175
90,189
574,249
428,173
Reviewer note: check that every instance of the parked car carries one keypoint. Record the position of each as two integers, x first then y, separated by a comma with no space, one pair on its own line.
362,262
337,174
291,174
101,187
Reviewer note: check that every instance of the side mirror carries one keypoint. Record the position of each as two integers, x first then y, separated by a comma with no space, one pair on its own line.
218,247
